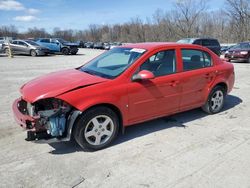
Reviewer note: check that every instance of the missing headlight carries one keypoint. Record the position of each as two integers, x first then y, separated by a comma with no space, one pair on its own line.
53,115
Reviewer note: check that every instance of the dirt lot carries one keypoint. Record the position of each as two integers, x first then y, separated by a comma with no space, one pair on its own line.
190,149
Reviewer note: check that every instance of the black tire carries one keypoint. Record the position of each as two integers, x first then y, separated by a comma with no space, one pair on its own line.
215,104
84,123
33,53
65,51
248,60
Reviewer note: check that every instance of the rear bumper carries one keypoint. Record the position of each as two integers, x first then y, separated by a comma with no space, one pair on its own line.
25,121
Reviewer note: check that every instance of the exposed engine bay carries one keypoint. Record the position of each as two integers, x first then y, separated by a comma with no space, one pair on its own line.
51,116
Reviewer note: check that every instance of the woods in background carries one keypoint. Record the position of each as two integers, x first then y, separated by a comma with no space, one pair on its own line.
188,18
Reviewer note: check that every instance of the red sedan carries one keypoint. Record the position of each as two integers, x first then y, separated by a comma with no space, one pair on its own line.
122,87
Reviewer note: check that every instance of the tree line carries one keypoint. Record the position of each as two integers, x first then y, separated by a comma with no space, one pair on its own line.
188,18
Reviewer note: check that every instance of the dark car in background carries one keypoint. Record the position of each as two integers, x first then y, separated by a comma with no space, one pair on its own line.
59,45
81,44
25,47
211,43
239,52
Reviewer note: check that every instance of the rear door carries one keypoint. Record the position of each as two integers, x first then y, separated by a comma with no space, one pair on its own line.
197,75
158,96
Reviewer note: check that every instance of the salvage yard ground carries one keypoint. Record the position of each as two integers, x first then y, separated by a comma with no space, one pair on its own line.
190,149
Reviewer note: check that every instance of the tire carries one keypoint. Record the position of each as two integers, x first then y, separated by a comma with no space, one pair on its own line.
90,132
33,53
65,51
215,101
248,60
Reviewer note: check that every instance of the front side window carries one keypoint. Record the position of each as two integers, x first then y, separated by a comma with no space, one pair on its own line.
206,42
161,63
112,63
45,40
195,59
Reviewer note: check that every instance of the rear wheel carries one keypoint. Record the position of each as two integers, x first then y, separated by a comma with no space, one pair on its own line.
96,128
248,60
65,51
33,53
215,101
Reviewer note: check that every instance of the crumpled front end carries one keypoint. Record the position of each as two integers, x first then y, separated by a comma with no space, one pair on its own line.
46,118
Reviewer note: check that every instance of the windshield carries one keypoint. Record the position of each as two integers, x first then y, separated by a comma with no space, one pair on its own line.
186,41
112,63
32,43
62,41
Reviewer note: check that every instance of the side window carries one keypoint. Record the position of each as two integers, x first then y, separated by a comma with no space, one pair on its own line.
160,64
206,43
198,42
45,40
195,59
214,43
14,42
22,43
54,41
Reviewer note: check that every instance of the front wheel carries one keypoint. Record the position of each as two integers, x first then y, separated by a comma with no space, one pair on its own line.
65,51
33,53
96,128
215,101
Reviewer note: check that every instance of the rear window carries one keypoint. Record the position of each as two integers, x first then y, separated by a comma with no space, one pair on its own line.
214,43
195,59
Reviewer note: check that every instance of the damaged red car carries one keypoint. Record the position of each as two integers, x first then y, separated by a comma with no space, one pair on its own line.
121,87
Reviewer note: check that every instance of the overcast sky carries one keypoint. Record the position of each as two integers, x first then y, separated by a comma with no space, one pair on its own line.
79,14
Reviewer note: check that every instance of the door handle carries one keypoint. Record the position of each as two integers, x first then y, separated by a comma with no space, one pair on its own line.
174,83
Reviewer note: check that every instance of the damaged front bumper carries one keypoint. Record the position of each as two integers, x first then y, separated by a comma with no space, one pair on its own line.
37,126
24,120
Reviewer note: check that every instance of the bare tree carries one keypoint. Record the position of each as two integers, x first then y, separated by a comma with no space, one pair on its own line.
239,13
186,15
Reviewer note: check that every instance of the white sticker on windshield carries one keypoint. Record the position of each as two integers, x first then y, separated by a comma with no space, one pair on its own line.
138,50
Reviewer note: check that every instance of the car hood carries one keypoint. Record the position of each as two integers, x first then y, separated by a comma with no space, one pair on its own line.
70,44
54,84
238,50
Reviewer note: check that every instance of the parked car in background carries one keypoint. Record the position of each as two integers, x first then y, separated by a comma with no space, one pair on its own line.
123,86
81,44
99,45
106,46
239,52
212,44
25,47
89,45
225,48
58,45
1,45
115,44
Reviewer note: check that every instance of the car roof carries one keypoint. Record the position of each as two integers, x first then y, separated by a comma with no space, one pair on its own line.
207,38
155,45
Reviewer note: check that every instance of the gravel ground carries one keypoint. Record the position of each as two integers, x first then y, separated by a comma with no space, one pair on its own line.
189,149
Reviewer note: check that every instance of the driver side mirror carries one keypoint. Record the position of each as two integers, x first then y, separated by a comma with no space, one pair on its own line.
143,75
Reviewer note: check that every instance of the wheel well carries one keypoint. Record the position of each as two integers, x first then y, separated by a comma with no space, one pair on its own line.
224,85
112,107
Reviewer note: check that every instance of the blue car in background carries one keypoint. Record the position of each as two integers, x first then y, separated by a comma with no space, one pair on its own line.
58,45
